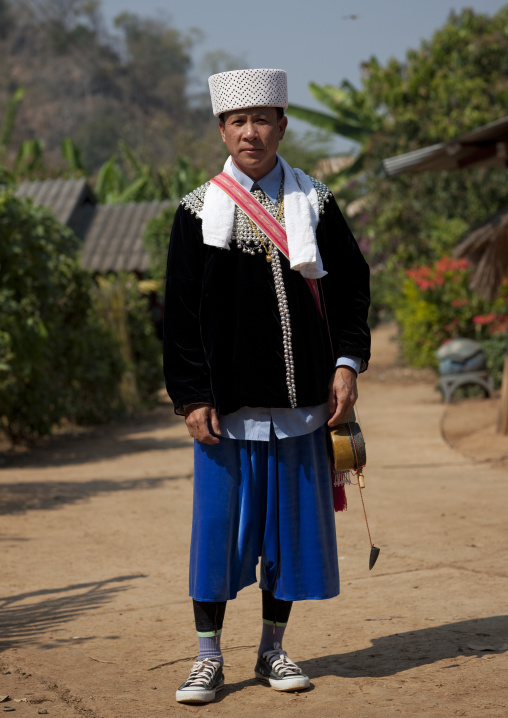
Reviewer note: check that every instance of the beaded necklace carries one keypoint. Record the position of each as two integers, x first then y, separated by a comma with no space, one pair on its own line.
268,249
247,236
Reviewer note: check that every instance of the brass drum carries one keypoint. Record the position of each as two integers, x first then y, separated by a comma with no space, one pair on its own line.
347,445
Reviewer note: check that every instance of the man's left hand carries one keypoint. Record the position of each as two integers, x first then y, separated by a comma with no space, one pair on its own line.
342,394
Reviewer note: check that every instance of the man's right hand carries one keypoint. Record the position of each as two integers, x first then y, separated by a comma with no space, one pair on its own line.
201,421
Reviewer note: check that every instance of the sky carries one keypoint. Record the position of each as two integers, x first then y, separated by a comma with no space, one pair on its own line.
324,41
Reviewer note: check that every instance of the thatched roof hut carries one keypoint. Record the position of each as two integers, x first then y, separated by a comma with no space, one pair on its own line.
487,248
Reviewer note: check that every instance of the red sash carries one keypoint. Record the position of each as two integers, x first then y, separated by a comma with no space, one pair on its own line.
262,219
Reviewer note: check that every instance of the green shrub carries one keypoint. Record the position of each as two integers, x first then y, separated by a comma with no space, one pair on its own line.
383,283
418,320
146,347
123,307
96,395
495,350
436,304
57,359
156,241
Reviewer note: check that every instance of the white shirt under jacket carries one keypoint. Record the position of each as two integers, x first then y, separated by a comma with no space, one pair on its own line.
255,423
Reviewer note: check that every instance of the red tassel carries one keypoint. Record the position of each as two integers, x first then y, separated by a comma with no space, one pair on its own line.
339,490
339,498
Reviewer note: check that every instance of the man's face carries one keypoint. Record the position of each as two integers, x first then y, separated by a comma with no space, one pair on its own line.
252,137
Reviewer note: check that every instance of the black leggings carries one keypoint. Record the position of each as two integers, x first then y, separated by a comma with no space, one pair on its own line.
209,615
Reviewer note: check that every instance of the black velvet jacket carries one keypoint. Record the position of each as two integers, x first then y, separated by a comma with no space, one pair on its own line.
222,329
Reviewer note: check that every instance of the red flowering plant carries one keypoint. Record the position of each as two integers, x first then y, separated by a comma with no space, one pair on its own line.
437,304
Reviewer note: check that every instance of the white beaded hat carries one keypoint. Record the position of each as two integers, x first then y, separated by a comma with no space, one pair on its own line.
248,88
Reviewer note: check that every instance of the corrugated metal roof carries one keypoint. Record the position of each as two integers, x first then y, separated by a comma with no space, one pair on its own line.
112,233
486,146
113,242
62,196
493,131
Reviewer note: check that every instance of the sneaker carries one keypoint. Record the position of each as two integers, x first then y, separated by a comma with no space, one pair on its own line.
276,668
205,679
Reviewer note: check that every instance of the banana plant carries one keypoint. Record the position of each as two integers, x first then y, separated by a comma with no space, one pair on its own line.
124,177
72,155
30,158
140,182
352,118
184,178
6,175
111,181
10,119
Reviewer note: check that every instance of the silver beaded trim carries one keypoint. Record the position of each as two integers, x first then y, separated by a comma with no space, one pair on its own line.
195,199
285,321
248,242
323,193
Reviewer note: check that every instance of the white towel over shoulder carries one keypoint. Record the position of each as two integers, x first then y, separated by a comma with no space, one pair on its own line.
301,214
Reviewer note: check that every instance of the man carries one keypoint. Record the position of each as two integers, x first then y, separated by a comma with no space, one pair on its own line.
265,332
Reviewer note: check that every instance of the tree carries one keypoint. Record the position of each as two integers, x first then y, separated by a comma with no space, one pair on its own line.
5,18
83,82
156,64
452,83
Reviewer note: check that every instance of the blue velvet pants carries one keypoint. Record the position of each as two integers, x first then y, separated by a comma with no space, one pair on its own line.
263,499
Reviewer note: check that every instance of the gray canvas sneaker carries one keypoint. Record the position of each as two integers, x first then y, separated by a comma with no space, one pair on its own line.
205,679
278,670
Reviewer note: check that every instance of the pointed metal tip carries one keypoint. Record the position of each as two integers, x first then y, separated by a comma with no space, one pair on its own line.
374,553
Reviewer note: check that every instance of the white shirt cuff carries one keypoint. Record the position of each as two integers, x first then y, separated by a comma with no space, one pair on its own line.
352,362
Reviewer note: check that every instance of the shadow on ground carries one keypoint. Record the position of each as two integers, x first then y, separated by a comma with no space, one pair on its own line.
81,446
399,652
35,495
402,651
23,619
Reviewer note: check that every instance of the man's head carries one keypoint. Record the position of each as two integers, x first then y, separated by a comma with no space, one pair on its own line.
250,105
252,136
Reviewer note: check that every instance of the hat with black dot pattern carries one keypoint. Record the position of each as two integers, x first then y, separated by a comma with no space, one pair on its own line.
248,88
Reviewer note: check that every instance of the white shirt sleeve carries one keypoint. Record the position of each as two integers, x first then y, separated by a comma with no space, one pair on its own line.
353,362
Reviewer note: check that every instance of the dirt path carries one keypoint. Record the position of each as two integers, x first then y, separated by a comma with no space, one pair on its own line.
94,615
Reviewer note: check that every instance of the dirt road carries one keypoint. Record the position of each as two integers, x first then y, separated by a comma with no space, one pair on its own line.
94,615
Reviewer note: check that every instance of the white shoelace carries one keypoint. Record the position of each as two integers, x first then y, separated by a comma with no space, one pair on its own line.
202,672
280,662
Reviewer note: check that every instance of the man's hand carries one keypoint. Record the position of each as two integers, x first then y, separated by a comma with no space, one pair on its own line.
342,394
201,421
